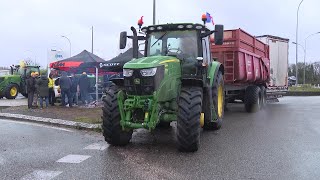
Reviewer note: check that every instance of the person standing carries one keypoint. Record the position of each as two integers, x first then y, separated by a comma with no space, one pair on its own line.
65,86
31,88
51,90
43,90
36,93
84,86
74,89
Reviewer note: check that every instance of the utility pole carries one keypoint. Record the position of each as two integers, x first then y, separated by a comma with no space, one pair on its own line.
154,12
297,42
92,40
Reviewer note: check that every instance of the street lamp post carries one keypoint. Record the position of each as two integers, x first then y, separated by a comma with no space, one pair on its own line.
154,12
304,50
305,55
69,43
297,42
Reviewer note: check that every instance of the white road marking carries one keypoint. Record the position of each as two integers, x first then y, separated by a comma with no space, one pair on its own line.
39,125
41,175
73,158
2,160
97,146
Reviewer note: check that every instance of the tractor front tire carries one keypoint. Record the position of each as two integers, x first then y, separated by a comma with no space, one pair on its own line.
252,99
217,104
11,91
112,130
188,121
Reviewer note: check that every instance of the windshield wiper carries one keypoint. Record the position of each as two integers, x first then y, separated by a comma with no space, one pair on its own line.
159,38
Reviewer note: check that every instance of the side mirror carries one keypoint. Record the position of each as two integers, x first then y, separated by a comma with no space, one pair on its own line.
218,35
123,39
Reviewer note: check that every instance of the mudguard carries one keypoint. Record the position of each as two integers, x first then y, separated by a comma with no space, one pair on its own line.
214,68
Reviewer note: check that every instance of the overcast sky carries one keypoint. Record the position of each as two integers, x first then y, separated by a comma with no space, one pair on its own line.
30,27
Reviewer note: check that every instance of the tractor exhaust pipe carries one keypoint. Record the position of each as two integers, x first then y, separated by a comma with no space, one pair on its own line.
135,46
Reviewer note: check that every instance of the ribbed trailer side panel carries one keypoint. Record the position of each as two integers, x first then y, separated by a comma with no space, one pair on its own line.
279,49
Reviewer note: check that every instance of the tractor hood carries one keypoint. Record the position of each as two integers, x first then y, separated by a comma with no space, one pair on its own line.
149,62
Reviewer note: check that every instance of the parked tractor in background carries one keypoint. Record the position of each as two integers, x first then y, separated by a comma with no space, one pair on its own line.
11,85
177,80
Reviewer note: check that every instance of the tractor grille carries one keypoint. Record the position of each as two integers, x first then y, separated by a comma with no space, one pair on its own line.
141,85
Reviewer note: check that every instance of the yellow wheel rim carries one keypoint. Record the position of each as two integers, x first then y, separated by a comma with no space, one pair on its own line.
220,100
13,91
202,119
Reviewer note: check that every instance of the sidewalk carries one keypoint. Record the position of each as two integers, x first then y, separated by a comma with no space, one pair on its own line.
79,117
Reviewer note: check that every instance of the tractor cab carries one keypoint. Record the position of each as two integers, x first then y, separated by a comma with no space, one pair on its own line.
190,43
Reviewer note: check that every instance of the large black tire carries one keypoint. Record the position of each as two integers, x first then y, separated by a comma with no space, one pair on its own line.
188,121
252,99
263,97
214,104
112,130
9,91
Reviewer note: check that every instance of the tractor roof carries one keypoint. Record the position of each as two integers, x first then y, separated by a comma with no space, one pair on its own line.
174,27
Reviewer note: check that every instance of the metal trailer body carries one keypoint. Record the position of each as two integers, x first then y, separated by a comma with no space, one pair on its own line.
279,52
255,68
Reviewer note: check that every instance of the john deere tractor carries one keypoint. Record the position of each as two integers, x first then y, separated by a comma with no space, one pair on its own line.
177,80
11,85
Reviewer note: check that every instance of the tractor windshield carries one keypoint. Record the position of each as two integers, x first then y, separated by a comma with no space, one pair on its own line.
173,43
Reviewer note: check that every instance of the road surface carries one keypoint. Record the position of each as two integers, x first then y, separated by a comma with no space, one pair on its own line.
280,142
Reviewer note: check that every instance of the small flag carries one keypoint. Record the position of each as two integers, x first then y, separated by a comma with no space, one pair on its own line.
209,18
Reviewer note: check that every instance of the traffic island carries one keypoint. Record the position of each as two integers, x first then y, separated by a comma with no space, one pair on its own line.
76,117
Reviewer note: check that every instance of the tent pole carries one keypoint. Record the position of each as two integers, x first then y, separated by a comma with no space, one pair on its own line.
97,72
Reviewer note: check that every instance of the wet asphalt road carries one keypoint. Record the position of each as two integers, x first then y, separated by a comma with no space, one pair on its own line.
280,142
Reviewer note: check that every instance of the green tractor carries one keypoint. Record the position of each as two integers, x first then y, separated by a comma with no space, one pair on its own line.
11,85
177,80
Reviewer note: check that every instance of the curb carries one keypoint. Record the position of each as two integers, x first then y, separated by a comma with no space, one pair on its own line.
302,93
59,122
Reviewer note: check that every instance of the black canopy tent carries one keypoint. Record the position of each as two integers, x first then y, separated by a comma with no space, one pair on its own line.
116,64
75,62
113,65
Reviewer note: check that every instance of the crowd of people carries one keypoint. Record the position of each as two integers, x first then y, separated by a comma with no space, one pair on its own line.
41,90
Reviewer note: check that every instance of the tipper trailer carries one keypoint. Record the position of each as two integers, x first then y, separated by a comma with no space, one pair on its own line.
255,68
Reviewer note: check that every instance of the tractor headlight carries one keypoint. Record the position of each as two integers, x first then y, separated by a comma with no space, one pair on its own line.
148,72
127,72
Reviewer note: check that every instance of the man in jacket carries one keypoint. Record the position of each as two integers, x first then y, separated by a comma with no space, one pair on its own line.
74,89
43,90
65,86
84,86
31,88
36,94
51,91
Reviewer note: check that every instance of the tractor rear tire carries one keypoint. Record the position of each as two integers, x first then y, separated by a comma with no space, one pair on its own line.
112,130
188,121
218,103
252,99
263,97
11,91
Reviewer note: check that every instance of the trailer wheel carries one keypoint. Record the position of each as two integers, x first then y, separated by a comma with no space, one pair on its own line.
11,91
263,97
112,131
188,121
252,99
216,105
